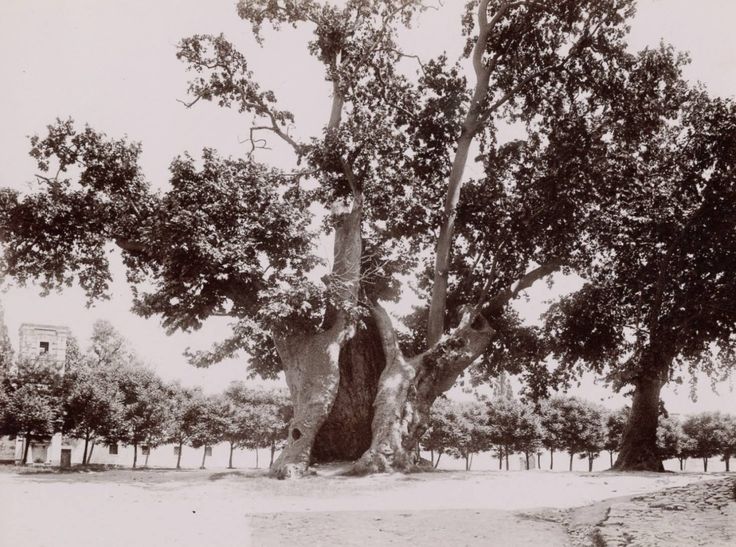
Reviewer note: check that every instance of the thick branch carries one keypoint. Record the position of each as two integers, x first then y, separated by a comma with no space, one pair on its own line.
503,297
130,246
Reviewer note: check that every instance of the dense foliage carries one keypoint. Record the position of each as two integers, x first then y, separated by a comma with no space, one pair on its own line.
106,395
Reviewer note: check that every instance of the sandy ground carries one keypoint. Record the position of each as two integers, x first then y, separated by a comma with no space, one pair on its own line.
208,508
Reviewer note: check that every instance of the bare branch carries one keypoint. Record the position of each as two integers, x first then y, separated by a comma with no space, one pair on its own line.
527,280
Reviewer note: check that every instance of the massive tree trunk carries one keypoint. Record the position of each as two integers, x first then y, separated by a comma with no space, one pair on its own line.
408,387
311,361
312,374
346,433
638,450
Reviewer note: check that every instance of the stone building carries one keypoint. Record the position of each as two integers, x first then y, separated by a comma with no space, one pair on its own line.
46,342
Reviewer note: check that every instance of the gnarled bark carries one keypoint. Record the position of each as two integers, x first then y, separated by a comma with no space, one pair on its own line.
346,433
409,386
638,450
312,374
311,361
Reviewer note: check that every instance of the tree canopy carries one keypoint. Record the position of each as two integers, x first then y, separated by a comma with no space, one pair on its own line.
412,177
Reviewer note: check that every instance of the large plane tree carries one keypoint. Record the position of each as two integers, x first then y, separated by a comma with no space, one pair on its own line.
659,298
232,236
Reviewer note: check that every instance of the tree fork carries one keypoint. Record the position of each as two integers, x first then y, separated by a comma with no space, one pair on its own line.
408,388
311,362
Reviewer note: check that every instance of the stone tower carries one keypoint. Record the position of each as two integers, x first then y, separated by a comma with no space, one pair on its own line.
44,341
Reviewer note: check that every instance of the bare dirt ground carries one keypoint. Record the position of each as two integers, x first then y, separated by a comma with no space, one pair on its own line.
214,508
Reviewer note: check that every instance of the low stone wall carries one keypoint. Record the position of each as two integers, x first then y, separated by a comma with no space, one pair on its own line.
702,513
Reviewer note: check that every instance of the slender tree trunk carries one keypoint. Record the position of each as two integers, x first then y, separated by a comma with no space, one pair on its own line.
204,456
638,451
135,455
526,456
590,464
25,449
86,444
431,456
273,451
682,464
571,457
727,459
467,462
705,465
439,455
145,462
610,456
91,450
507,457
178,456
539,460
256,458
551,459
470,127
230,461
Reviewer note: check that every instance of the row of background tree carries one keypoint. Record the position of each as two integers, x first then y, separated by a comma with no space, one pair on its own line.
106,395
505,426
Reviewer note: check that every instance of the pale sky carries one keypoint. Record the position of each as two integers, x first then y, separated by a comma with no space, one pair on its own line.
111,63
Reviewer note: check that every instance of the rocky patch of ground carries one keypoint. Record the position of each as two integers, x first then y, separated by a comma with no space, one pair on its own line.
697,514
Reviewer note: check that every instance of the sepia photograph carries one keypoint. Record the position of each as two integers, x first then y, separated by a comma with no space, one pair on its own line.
367,273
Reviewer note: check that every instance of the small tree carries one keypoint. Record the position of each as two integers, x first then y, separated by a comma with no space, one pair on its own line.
439,437
30,404
669,438
471,433
615,422
145,409
210,424
578,428
30,412
184,412
92,406
92,401
551,418
259,418
728,439
706,435
514,427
